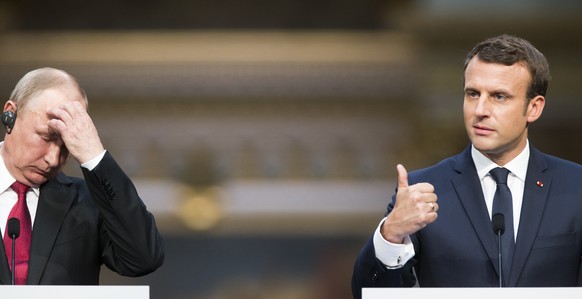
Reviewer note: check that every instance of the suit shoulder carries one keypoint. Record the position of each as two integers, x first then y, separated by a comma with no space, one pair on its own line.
440,169
563,168
443,165
559,162
64,179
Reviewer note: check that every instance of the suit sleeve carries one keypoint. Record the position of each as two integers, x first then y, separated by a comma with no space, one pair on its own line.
370,272
130,242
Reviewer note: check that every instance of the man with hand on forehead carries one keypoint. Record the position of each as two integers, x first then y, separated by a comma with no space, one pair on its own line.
68,227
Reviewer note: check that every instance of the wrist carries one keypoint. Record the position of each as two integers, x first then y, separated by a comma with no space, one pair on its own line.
390,235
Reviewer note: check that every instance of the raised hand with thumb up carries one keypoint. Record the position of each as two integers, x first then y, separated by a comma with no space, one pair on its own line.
415,207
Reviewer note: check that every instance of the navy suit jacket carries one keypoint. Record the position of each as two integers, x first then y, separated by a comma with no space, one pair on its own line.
82,224
460,248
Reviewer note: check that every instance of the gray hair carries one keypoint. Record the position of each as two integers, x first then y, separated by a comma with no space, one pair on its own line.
38,80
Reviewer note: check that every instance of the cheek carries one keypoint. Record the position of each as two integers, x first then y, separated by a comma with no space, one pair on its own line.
29,157
467,113
468,108
36,152
517,115
35,148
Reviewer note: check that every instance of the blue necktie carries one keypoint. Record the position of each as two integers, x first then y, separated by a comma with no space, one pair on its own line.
502,203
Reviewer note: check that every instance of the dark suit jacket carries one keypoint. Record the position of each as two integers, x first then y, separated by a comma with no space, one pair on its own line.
460,248
81,225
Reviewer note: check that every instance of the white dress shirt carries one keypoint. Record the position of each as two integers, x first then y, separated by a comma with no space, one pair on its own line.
394,256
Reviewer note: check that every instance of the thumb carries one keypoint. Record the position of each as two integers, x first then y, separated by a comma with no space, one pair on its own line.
402,176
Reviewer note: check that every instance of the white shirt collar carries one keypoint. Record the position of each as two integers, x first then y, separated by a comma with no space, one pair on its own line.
6,179
517,166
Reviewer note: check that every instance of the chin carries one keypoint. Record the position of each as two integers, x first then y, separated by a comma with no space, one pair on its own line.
36,180
484,146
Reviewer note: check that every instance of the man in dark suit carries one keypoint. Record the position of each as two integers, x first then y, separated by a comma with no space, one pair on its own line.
453,243
73,226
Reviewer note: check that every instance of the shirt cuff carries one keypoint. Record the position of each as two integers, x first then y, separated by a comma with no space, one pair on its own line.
91,164
393,256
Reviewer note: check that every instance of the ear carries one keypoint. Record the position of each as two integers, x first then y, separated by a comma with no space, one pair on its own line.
535,107
9,106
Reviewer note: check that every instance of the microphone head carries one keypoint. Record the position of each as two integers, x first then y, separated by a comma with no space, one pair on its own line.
13,228
498,221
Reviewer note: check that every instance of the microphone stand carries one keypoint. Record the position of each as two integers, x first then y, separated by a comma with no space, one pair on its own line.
498,221
13,227
13,237
499,263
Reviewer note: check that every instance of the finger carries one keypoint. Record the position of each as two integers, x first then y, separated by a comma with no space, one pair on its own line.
435,207
402,176
432,207
56,125
431,217
59,113
75,108
423,187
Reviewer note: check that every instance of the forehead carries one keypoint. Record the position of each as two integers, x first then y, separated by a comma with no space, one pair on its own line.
53,97
495,75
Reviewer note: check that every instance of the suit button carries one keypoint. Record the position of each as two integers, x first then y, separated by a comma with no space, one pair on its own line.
110,193
374,276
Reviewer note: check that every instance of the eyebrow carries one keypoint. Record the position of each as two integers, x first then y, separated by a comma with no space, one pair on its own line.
495,91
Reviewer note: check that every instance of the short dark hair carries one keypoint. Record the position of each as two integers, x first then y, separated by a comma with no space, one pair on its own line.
507,50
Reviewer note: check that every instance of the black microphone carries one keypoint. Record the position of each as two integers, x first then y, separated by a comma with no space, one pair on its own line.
498,221
13,233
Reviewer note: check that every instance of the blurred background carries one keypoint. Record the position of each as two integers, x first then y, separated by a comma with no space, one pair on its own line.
264,135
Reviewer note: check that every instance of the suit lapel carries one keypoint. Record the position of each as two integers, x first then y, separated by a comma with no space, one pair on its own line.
54,202
534,200
5,275
469,190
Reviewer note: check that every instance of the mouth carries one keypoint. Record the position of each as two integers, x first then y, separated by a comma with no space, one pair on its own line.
44,173
482,130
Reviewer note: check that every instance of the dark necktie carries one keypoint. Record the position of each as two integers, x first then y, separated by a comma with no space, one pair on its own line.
22,246
502,203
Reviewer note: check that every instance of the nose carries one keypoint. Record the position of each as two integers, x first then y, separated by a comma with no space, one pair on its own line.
482,108
54,155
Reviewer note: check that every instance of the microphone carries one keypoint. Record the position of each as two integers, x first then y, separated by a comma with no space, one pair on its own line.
13,232
498,221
